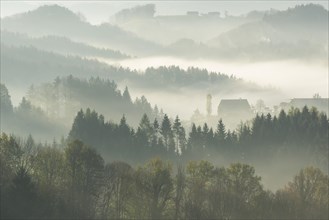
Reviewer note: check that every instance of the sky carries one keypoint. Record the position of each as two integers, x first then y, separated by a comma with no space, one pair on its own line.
97,12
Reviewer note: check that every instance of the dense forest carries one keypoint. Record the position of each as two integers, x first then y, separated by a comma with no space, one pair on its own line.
29,61
49,109
296,133
72,180
62,98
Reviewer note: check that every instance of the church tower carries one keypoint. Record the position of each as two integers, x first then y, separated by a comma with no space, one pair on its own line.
209,105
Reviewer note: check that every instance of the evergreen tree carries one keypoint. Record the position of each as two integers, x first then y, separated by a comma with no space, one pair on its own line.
146,127
126,96
179,133
220,133
166,131
156,133
6,105
77,129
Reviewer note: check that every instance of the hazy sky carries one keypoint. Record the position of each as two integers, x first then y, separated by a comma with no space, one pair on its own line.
100,11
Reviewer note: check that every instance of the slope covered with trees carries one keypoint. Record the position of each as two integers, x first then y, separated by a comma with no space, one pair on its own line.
60,21
71,180
302,135
37,66
65,96
61,45
27,119
42,66
296,33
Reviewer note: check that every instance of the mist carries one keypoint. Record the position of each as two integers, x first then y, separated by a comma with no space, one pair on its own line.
309,78
102,11
164,110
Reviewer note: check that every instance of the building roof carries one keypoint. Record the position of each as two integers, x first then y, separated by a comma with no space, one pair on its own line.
233,105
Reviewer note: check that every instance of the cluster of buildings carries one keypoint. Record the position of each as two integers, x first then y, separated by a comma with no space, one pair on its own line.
234,111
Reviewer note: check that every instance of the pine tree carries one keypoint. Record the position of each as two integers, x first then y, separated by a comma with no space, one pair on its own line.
176,131
126,96
77,127
192,139
146,127
6,105
166,131
220,134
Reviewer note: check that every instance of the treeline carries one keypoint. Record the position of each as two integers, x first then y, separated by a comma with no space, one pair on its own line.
71,180
62,98
42,66
176,77
120,141
298,133
26,119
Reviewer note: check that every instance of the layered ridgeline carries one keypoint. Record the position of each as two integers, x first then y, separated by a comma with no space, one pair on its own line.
37,66
298,33
166,29
57,20
61,45
41,66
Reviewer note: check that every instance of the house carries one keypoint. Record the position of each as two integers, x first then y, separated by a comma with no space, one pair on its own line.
234,107
234,111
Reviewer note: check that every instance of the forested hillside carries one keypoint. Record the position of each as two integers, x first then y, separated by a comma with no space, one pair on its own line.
49,109
302,135
61,45
67,95
28,119
41,66
71,180
60,21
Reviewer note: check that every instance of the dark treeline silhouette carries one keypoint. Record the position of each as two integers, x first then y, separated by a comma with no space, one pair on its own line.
297,133
42,66
120,141
71,180
174,77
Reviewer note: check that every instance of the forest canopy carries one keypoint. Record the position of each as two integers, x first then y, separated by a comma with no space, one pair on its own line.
71,180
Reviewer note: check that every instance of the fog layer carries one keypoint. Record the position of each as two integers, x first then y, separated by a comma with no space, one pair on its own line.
289,78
